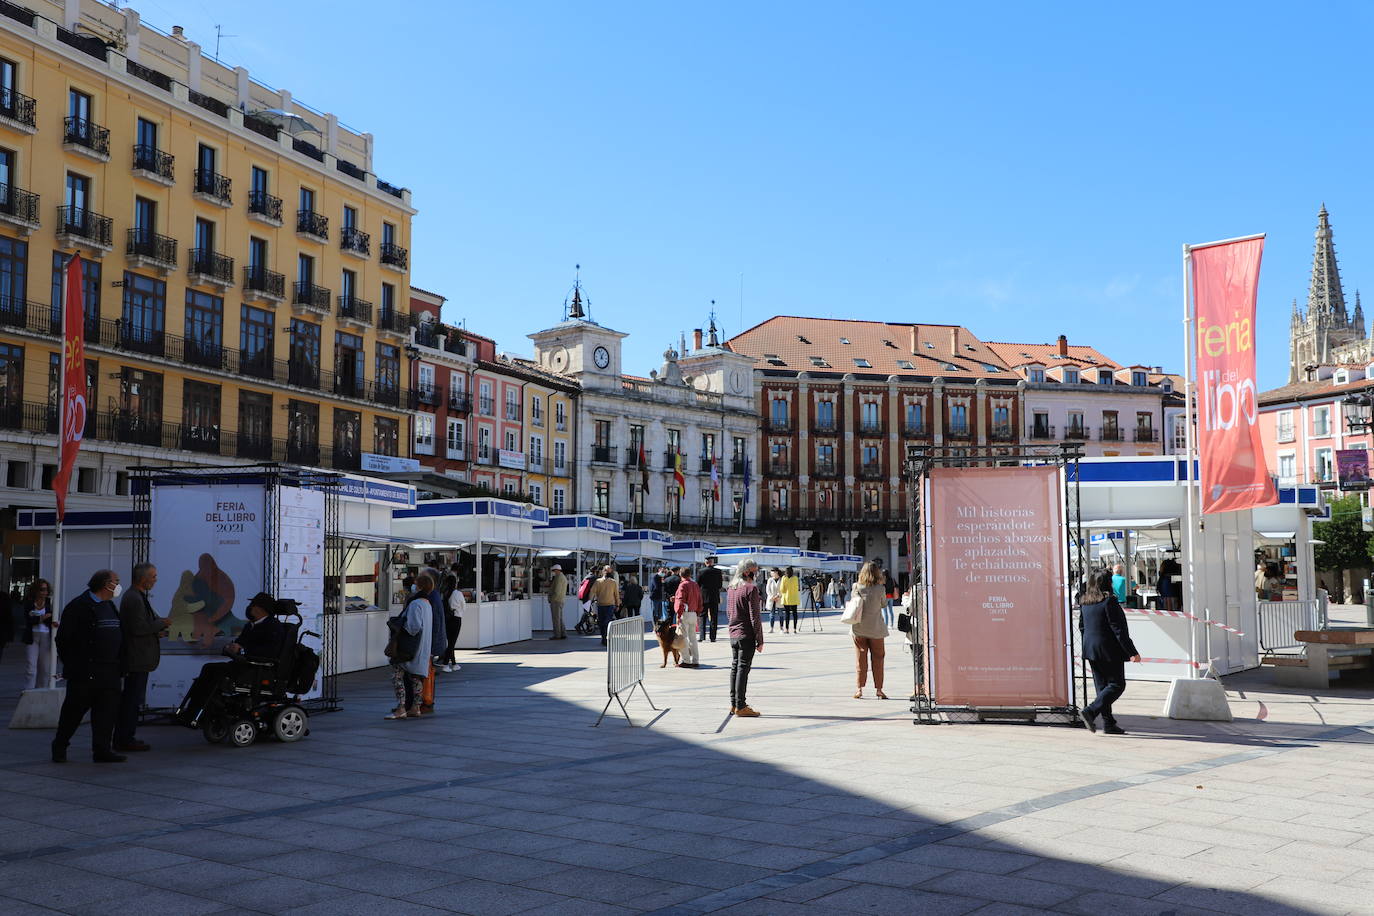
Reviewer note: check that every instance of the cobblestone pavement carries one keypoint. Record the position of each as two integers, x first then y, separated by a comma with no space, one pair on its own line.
508,801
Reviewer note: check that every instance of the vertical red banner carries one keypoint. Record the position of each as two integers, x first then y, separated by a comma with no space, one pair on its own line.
72,403
1225,283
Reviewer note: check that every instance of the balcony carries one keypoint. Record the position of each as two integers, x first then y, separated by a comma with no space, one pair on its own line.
457,450
204,439
18,112
264,208
1078,432
736,467
428,396
386,391
780,468
916,431
207,268
78,228
255,447
349,386
206,353
86,139
514,411
485,454
825,470
303,373
959,431
776,424
130,428
1041,431
1110,434
1146,434
212,188
18,208
312,224
307,297
537,420
355,311
153,164
263,285
871,427
534,461
395,257
632,457
30,316
459,403
604,454
147,249
827,427
871,472
392,321
1001,433
355,242
486,407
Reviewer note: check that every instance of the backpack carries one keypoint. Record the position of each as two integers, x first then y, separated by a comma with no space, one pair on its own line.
307,665
584,591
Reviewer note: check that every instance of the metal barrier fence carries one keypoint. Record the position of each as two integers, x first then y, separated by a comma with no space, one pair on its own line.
624,664
1278,620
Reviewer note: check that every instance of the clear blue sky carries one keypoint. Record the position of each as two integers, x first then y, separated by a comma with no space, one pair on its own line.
1023,169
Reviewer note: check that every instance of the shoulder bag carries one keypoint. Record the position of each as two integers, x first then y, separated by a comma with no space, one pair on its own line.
853,611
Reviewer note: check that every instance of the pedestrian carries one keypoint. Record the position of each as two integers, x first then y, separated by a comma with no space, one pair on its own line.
38,635
408,677
438,634
1120,584
90,646
710,580
606,596
771,596
142,629
744,617
1169,586
789,595
456,602
671,580
1107,646
889,585
870,632
558,593
631,597
832,591
687,604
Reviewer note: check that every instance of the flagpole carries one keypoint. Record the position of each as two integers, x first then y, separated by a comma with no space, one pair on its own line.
1190,454
55,596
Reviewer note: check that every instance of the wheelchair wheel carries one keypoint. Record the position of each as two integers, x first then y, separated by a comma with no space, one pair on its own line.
243,733
289,724
214,729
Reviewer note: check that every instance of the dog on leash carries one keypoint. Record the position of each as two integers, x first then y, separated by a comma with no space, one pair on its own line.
669,640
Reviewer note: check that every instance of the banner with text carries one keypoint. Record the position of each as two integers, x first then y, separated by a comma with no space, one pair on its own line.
1352,468
997,603
1233,471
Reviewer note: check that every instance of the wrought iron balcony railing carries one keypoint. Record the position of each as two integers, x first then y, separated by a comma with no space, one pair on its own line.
394,255
604,454
355,240
18,204
80,132
214,185
18,107
86,225
308,294
154,161
355,309
160,249
308,222
1146,434
216,267
260,203
268,282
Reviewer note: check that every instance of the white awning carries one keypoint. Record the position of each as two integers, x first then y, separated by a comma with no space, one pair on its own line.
379,540
554,554
1137,524
1278,535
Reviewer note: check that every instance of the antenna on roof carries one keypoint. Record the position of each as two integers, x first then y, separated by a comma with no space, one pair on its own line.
219,34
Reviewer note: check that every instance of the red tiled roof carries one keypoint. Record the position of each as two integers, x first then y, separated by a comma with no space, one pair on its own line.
1305,391
819,344
1018,354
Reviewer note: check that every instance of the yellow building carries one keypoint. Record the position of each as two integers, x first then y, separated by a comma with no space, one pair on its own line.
246,271
550,402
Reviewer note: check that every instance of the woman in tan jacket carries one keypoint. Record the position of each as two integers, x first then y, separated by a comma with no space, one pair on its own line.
870,633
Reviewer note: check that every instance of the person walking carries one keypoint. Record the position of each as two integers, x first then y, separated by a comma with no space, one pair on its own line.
1107,646
142,630
1120,584
744,619
771,596
672,578
90,646
558,593
38,635
438,634
631,597
789,595
456,603
889,586
656,594
606,597
832,591
408,677
687,604
870,632
710,580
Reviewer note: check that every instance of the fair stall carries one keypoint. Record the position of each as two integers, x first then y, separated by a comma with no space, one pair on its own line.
691,554
638,552
766,556
494,565
580,544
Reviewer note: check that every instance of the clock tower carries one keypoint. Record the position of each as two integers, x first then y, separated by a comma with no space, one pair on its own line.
580,348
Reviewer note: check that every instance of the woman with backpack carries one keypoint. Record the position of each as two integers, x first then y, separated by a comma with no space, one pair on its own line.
409,649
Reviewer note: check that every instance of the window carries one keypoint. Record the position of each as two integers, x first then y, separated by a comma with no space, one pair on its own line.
11,376
1324,472
1104,377
777,498
388,368
457,382
456,440
257,183
146,134
206,161
348,433
484,401
303,432
200,416
14,269
307,200
1145,423
862,363
348,363
145,304
305,270
205,237
602,433
674,445
737,454
1139,379
868,415
255,424
779,414
1341,377
1321,420
636,440
870,457
537,494
560,415
388,234
49,475
87,480
1111,430
388,303
560,501
386,436
508,487
825,458
350,217
1167,386
204,329
17,474
537,452
778,458
348,286
958,419
708,447
257,328
602,504
424,380
484,443
1040,426
1287,468
915,418
560,455
825,414
1036,374
1075,421
305,353
512,404
1071,376
145,218
257,256
90,287
1001,418
79,110
537,410
140,406
1285,426
424,434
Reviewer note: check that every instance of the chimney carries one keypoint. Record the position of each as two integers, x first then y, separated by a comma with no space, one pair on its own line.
1063,345
178,33
696,339
915,333
954,341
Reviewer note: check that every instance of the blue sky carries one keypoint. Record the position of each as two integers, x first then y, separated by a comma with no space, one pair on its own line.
1023,169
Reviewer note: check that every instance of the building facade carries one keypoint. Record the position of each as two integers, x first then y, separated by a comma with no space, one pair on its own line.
242,282
1304,425
1325,334
840,401
634,435
442,361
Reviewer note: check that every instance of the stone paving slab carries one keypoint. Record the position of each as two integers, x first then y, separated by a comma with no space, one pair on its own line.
508,801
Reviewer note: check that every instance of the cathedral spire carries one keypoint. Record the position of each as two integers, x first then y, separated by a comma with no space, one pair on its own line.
1357,320
1325,300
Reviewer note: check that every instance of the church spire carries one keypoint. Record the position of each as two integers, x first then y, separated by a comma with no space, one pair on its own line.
1325,300
1357,320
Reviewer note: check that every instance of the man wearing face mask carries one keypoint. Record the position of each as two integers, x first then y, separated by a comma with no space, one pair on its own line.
261,637
90,646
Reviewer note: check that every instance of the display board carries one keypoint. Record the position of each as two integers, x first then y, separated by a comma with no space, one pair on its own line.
998,602
300,560
208,543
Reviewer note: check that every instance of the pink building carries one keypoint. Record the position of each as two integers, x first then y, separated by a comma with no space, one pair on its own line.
1304,424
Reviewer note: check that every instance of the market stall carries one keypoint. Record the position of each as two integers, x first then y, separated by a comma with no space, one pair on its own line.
638,552
691,554
494,566
580,544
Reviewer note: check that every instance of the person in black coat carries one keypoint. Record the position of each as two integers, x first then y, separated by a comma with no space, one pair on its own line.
90,646
710,581
262,637
1107,646
631,597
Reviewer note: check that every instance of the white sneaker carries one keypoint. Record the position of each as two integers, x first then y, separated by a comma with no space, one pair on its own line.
447,669
453,668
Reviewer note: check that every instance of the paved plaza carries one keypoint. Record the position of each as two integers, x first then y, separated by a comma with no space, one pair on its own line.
508,801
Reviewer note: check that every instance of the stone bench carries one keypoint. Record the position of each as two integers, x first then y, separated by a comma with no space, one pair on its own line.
1328,653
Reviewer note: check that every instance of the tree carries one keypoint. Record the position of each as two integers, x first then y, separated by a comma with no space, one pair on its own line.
1347,545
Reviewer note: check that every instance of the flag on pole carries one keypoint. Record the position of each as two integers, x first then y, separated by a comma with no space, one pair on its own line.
746,481
643,468
72,403
677,475
1233,471
715,480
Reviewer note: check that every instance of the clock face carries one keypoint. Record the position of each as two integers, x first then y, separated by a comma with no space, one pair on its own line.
737,381
602,357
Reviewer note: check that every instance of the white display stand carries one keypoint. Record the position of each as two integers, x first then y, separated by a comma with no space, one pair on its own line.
580,535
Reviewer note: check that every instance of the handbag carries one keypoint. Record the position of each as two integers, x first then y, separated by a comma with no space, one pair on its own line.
401,646
853,610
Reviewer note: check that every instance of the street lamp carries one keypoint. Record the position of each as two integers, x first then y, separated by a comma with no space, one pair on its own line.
1363,422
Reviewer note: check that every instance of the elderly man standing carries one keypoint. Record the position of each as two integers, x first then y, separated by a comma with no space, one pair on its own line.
687,603
558,592
606,597
142,628
90,646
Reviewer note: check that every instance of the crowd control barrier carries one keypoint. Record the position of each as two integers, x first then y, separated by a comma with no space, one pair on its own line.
1279,620
624,664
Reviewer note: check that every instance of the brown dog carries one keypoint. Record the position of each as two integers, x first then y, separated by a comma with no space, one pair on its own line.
669,641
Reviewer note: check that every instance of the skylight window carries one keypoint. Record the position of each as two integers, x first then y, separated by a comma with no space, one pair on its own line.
844,340
971,348
862,363
989,367
770,356
929,345
905,364
950,367
777,362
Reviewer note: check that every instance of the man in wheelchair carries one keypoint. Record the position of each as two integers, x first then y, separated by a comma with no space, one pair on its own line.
261,640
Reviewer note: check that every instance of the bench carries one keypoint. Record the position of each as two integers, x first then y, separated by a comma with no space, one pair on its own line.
1328,653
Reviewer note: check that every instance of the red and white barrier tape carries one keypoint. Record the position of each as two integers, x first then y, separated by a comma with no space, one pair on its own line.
1184,615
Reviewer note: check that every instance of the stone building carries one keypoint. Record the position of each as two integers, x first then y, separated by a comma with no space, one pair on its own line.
1325,334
